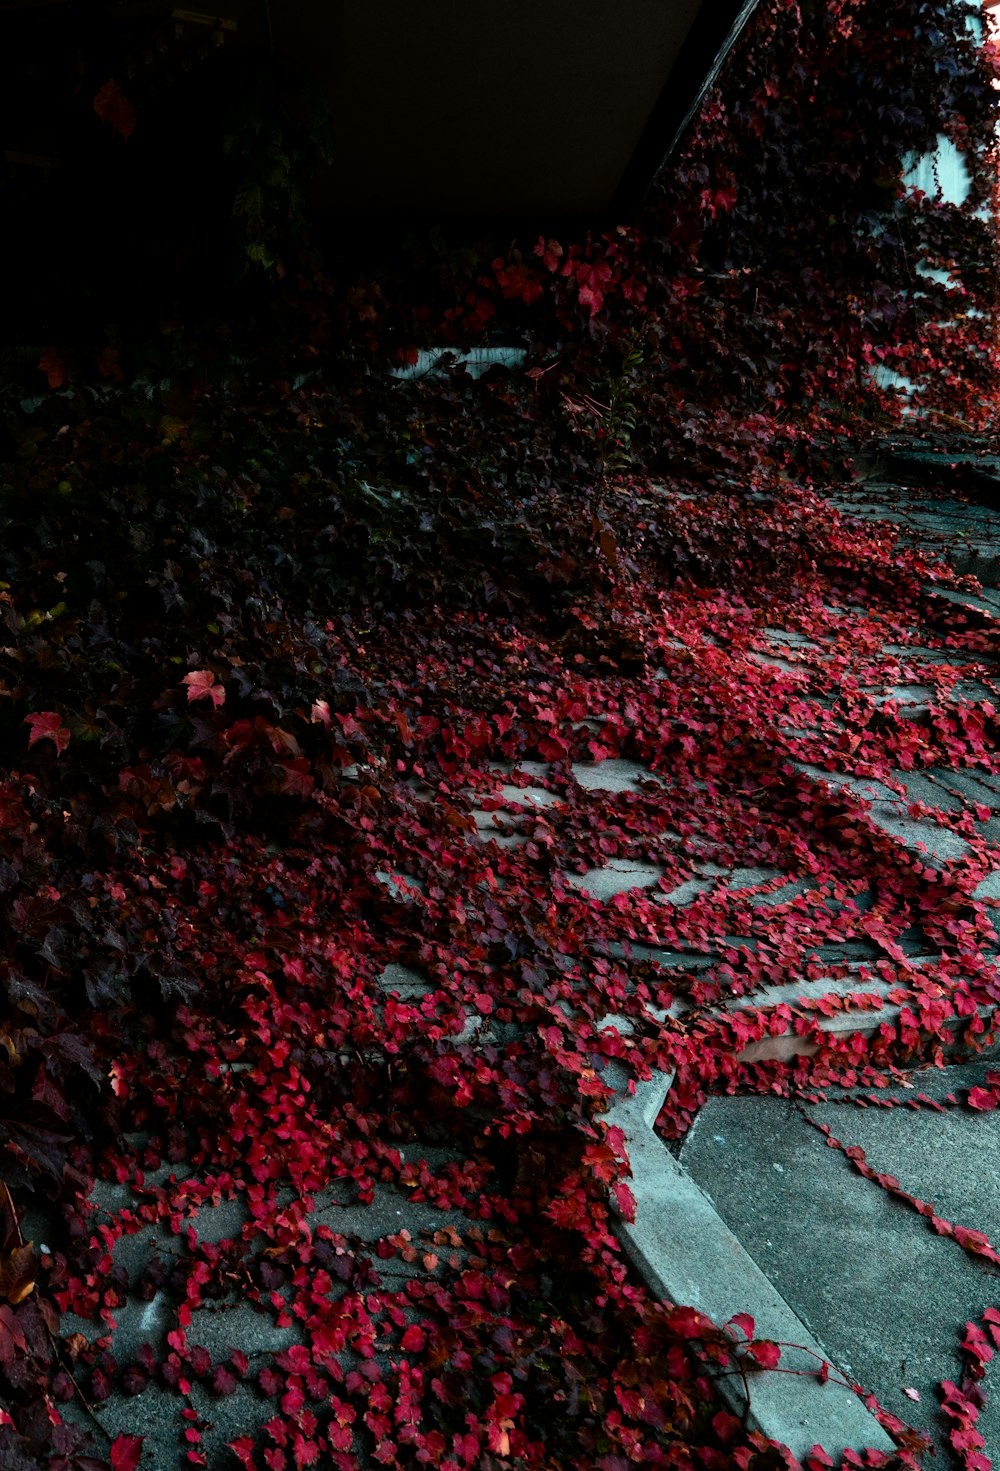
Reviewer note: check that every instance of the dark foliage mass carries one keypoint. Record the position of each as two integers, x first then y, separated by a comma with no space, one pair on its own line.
275,616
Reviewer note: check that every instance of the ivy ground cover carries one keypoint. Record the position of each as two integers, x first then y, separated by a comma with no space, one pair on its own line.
326,919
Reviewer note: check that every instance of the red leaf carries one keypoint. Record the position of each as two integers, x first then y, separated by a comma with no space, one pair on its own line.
202,686
591,298
223,1381
306,1452
125,1452
689,1323
764,1353
976,1241
975,1343
550,252
413,1339
744,1323
984,1099
113,108
47,725
965,1438
296,778
625,1200
11,1337
726,1426
53,367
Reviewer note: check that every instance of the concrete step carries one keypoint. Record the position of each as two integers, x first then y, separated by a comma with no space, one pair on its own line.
887,1297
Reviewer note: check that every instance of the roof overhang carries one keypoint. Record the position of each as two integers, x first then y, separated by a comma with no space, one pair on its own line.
528,109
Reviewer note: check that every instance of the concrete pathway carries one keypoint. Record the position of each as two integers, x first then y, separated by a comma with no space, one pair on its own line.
885,1295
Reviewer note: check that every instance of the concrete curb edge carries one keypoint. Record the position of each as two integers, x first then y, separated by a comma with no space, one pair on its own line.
685,1253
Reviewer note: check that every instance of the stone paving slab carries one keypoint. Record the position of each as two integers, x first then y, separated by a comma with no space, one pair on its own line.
886,1296
617,876
403,886
926,839
934,844
410,986
499,825
986,602
915,654
530,797
968,532
782,665
236,1322
964,529
616,774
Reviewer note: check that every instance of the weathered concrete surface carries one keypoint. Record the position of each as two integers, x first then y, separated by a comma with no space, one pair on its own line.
986,602
617,774
921,836
887,1296
689,1256
617,876
933,516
